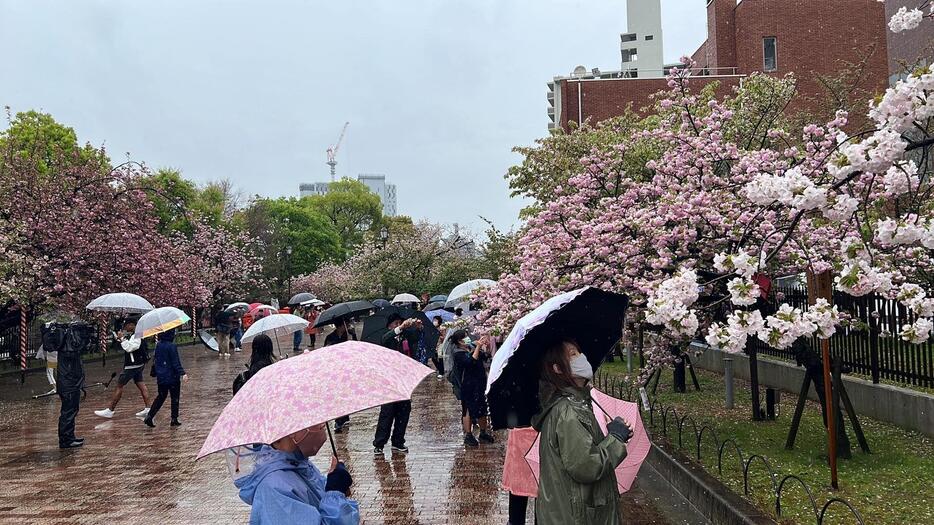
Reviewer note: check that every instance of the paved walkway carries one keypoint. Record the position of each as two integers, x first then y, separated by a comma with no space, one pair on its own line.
127,473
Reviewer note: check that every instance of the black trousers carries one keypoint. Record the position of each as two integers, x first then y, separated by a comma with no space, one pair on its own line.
164,390
393,416
517,506
439,364
66,419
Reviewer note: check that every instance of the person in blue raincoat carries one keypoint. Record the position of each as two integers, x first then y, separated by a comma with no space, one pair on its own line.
285,487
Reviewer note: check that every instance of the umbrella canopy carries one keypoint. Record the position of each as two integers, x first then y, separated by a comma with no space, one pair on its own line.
462,292
433,306
590,316
314,302
636,450
262,310
254,305
438,299
121,303
446,316
239,306
381,303
208,340
405,298
275,323
160,320
341,311
375,326
311,389
300,298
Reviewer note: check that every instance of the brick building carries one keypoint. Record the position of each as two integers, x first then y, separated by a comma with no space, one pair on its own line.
809,38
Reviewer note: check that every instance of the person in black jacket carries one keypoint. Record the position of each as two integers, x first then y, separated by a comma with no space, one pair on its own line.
167,368
69,341
136,354
261,357
468,365
393,416
338,336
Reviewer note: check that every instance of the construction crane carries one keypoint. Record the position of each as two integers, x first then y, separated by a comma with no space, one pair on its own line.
332,152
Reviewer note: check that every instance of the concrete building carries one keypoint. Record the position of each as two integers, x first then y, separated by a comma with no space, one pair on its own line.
641,46
375,182
809,38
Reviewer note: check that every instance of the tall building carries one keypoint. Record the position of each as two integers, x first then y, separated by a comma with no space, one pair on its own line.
810,38
374,182
641,46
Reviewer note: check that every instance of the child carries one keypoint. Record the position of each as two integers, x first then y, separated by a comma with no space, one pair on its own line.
169,374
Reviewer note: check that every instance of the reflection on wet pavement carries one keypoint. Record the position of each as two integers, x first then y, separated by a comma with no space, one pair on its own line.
127,473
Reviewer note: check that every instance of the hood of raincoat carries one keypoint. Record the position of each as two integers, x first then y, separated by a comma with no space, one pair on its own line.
269,460
168,335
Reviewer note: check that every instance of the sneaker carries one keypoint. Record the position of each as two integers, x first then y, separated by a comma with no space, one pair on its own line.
73,444
143,413
401,448
487,438
238,349
338,430
470,440
175,423
149,422
108,413
378,450
440,376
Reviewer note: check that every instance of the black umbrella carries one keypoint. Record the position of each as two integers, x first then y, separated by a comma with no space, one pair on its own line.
303,297
375,326
338,312
591,317
381,303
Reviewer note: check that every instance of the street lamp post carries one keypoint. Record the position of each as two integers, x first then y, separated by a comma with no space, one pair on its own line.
288,271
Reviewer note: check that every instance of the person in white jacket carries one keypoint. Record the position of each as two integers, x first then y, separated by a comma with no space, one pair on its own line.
136,354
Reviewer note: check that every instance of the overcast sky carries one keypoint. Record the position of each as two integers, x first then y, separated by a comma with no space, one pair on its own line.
436,92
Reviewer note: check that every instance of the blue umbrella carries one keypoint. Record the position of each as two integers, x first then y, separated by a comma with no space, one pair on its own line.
445,315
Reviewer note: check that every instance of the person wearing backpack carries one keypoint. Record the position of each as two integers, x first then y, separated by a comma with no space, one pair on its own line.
469,378
136,354
261,357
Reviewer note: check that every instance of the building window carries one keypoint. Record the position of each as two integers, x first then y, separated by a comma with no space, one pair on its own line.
628,37
629,55
769,53
650,37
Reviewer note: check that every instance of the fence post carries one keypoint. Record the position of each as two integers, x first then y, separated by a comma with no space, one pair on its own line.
728,379
873,339
23,343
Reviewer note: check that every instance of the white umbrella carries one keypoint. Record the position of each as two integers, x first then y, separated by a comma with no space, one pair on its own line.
404,298
462,292
240,306
160,320
314,302
264,310
277,324
122,303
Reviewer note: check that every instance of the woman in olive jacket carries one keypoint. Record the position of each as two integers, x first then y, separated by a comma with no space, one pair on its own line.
577,483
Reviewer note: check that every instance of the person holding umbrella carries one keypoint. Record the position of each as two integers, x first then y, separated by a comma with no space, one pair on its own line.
169,373
285,487
136,354
224,323
338,336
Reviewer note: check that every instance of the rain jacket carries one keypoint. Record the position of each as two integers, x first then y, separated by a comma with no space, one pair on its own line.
286,488
577,483
166,365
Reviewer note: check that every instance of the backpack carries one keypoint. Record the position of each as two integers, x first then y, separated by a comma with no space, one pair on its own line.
241,380
455,375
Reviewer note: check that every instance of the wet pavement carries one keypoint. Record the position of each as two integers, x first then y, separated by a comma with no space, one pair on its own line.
127,473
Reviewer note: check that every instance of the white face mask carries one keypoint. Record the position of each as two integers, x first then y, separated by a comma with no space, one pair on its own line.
580,367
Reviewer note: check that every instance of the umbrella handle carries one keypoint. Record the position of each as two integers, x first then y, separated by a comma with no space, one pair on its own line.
327,425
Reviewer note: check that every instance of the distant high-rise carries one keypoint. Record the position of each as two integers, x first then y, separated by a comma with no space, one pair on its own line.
641,48
374,182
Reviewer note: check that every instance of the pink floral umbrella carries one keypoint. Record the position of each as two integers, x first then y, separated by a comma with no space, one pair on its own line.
516,474
311,389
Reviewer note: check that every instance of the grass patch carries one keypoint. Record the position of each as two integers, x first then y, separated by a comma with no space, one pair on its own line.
893,485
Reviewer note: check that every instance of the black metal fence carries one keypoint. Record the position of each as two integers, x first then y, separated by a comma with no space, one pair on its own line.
869,345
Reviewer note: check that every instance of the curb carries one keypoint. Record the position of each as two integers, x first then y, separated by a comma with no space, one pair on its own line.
708,496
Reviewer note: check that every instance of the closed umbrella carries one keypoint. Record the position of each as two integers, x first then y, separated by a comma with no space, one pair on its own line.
121,303
311,389
593,318
405,298
463,291
160,320
300,298
342,311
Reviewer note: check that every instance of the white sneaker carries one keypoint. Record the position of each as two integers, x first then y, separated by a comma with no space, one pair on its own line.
143,413
108,413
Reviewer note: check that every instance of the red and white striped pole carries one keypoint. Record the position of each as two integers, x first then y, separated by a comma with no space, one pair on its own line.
194,322
23,342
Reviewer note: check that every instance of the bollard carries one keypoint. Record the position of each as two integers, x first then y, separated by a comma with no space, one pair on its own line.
629,359
728,379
